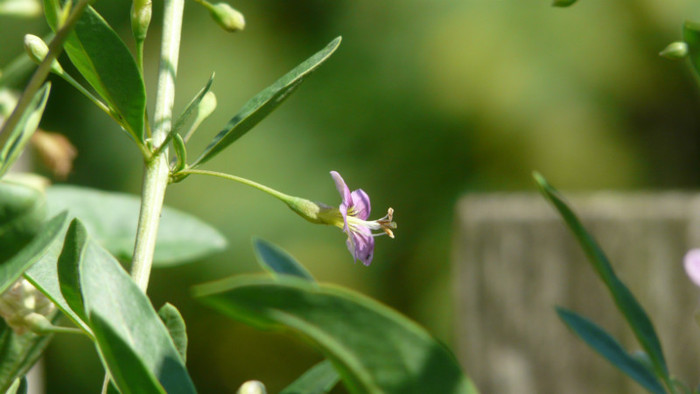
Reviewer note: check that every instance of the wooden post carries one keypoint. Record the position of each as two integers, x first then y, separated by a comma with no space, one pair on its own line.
514,260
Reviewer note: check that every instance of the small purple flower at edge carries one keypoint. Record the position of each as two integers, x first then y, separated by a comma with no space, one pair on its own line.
355,209
691,262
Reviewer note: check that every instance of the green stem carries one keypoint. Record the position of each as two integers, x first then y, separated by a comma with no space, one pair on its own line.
62,330
155,177
277,194
55,48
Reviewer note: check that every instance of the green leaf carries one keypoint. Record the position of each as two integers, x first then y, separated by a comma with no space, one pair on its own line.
257,108
319,379
106,63
72,254
18,353
691,36
22,215
13,269
44,276
609,348
191,109
112,218
133,342
19,386
25,128
278,261
373,348
633,312
176,328
562,3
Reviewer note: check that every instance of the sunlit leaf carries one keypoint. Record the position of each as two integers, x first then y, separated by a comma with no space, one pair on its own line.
133,341
26,126
373,348
106,63
257,108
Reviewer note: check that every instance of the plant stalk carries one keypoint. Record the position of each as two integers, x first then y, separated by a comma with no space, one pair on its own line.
155,177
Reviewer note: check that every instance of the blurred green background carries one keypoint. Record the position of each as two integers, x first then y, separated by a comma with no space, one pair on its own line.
423,102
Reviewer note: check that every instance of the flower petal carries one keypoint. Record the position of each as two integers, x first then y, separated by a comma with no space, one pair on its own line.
361,245
691,261
343,189
361,207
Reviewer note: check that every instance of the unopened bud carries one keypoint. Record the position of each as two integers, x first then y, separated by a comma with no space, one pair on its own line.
24,308
226,16
252,387
140,18
37,50
562,3
675,51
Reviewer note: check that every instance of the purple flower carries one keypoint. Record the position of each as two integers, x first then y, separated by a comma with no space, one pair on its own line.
355,209
691,261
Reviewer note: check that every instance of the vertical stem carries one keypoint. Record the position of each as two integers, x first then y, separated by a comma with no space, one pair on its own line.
155,177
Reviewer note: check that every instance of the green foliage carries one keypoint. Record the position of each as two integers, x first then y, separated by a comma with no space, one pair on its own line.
133,341
44,276
18,353
257,108
111,218
22,213
691,36
278,261
18,137
12,270
608,347
176,328
105,62
19,386
318,380
625,301
374,348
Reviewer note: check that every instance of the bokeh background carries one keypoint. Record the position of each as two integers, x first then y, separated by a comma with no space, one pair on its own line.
424,101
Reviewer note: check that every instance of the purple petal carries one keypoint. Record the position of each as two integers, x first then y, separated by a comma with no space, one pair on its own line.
692,265
361,206
343,189
361,245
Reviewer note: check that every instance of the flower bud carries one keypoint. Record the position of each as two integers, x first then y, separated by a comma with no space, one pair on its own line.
24,308
226,16
37,50
675,51
140,18
252,387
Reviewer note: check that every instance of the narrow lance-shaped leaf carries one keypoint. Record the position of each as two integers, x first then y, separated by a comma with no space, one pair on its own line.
190,110
691,36
609,348
257,108
633,312
278,261
106,63
12,270
373,348
132,340
319,379
18,137
176,328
